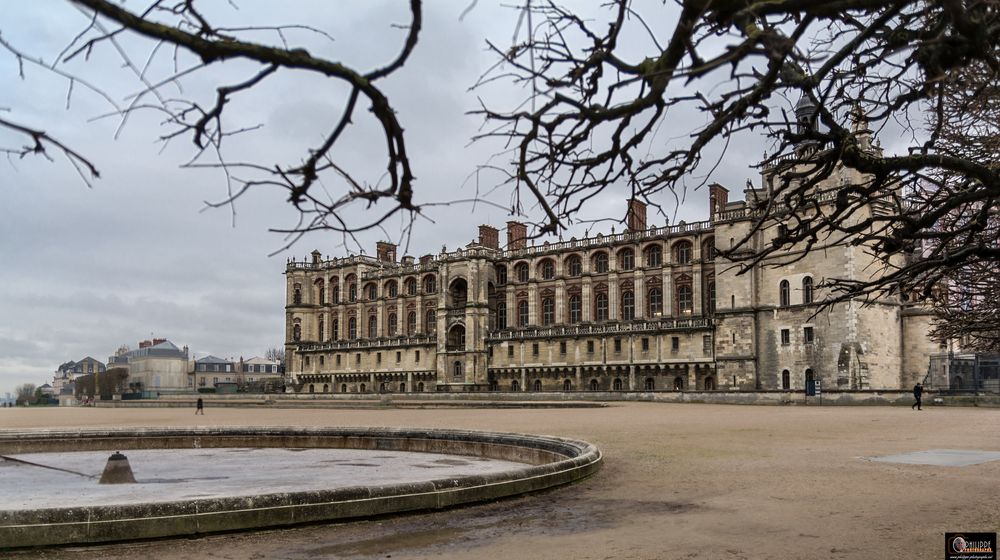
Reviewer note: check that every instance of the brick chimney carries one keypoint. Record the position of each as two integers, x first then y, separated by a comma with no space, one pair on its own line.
635,219
489,236
718,197
385,251
517,235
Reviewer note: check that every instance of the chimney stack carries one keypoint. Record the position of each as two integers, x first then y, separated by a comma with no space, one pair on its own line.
635,218
718,197
489,236
517,235
385,251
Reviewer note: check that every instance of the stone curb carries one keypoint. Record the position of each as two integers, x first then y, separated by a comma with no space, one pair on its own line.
549,462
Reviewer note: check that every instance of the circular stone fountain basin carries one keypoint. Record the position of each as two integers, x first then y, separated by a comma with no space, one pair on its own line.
201,480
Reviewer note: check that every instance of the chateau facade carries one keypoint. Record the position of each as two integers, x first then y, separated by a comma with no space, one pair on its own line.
653,308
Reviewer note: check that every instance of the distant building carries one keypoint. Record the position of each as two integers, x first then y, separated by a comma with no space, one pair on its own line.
211,370
256,369
157,365
68,372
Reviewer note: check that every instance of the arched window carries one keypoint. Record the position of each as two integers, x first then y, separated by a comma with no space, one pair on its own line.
334,329
708,250
352,292
372,326
654,255
382,388
411,323
501,315
626,259
616,385
420,387
515,386
548,311
312,388
574,265
685,300
410,285
391,288
501,275
709,383
320,292
628,306
783,294
371,291
678,384
297,332
457,369
522,313
334,291
459,292
548,269
594,385
392,324
710,297
654,300
456,338
326,388
650,384
807,289
809,375
537,385
343,387
521,271
575,309
362,388
601,262
567,385
297,294
352,328
786,380
402,387
319,329
682,252
601,307
430,321
430,284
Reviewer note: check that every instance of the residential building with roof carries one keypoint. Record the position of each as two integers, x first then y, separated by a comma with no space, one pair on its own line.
157,365
67,372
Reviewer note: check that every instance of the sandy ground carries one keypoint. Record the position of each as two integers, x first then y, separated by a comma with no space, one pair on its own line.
679,481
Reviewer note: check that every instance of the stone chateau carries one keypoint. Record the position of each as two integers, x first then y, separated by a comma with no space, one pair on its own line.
650,309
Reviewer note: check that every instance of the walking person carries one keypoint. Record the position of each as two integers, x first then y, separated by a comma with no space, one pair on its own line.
918,393
200,407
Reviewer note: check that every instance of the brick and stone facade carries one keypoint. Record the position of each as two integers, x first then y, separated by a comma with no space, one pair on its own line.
653,308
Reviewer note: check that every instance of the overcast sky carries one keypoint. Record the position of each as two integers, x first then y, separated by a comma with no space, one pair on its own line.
85,270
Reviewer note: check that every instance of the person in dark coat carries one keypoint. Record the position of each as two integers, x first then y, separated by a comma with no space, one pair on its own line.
200,407
918,393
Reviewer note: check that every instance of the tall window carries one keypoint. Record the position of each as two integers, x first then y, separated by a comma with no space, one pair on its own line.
322,292
297,332
297,295
628,306
319,329
352,328
708,249
522,313
501,315
807,289
411,322
575,312
334,329
522,272
627,259
334,292
501,275
575,266
710,297
352,292
430,321
411,286
682,252
655,299
392,324
548,311
392,288
372,326
430,285
601,307
685,301
654,255
783,294
548,269
601,262
371,291
458,370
